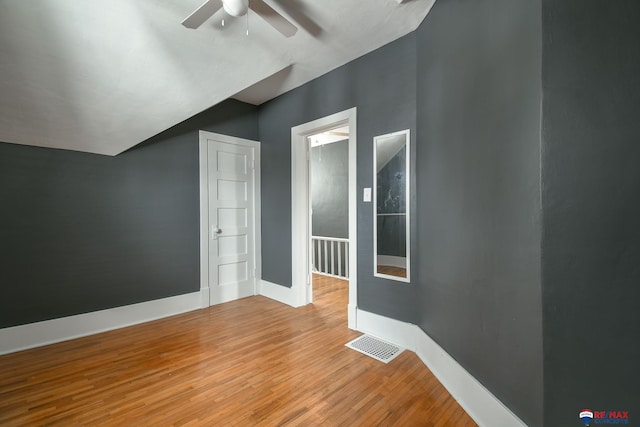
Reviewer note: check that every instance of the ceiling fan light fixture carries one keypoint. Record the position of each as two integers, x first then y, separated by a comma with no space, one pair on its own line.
236,7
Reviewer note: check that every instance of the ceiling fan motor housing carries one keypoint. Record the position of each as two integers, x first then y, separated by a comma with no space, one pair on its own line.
236,7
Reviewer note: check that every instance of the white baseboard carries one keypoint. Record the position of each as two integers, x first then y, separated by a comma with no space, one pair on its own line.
394,331
475,399
352,313
204,297
291,297
37,334
279,293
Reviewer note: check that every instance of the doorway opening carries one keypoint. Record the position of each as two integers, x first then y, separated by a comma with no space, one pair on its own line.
302,137
329,209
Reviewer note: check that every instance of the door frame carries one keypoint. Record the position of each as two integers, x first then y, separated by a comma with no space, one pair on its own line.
204,136
300,208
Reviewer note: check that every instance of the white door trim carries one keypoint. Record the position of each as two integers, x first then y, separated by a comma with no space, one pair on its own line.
300,222
204,208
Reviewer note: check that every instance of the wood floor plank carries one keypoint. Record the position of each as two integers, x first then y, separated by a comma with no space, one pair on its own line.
248,362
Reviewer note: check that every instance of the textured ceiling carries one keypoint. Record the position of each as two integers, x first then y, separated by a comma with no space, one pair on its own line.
103,76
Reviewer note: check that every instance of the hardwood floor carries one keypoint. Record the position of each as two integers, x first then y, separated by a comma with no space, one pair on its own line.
249,362
392,271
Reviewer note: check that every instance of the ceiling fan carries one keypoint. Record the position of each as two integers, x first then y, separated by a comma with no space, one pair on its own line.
240,8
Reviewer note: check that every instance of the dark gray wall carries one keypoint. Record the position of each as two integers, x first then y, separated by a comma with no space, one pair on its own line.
478,149
82,232
330,190
382,86
591,201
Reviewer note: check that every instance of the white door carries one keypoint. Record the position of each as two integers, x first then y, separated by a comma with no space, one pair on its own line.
231,211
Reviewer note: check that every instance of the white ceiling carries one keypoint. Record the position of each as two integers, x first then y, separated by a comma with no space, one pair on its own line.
103,76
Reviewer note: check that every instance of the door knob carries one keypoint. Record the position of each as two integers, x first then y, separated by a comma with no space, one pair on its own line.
215,231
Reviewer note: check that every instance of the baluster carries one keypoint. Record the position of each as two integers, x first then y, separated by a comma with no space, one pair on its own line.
326,258
340,258
346,260
333,256
314,266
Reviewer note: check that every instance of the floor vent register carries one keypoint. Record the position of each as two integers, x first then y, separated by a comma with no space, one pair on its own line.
375,347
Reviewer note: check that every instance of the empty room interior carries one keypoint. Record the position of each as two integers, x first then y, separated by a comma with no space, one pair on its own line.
203,202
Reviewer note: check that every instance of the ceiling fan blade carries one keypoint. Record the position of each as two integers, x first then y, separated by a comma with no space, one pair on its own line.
298,11
202,13
273,18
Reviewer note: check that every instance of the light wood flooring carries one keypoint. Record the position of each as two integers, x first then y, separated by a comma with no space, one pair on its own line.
249,362
392,271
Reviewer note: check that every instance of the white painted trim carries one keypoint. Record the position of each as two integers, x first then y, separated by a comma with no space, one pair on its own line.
353,218
392,330
300,228
204,217
352,314
475,399
37,334
279,293
376,257
257,216
206,297
481,405
204,136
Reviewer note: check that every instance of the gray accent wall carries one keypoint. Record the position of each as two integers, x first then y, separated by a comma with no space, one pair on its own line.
382,86
330,190
478,189
82,232
591,201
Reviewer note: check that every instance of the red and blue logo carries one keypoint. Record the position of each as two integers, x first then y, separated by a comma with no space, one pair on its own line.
587,416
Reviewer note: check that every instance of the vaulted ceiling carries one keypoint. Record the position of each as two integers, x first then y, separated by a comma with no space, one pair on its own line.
103,76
